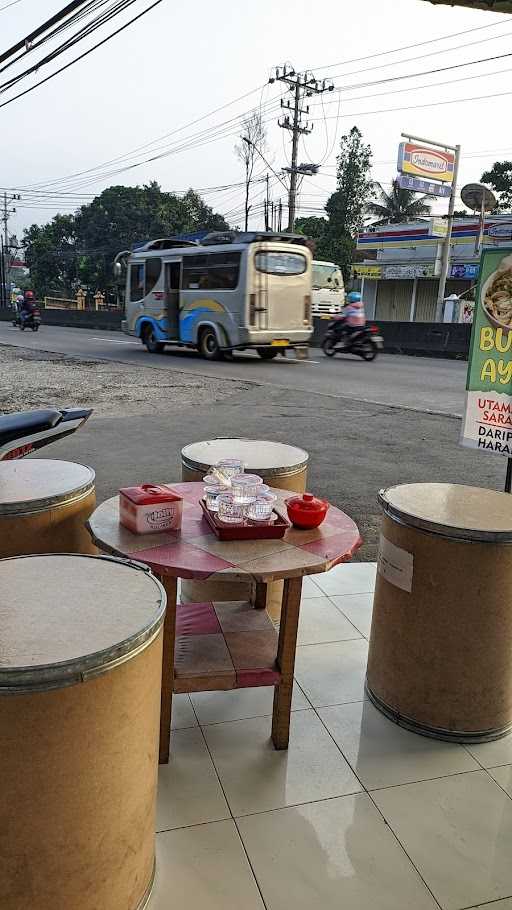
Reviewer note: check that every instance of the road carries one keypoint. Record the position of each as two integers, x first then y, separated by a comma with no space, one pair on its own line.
424,384
365,426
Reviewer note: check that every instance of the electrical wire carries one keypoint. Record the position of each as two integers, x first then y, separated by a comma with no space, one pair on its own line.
81,56
13,3
86,30
408,47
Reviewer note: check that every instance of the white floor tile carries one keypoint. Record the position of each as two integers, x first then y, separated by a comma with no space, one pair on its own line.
189,792
490,755
332,674
383,754
203,868
238,704
320,621
256,777
358,610
458,832
310,587
182,713
503,776
354,578
334,855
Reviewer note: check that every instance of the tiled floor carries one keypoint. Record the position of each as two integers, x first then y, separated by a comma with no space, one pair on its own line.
359,814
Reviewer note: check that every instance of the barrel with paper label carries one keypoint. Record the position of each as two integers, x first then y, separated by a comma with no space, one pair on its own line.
80,682
440,650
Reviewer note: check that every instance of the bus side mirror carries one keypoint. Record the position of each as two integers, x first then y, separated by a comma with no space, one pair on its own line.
117,269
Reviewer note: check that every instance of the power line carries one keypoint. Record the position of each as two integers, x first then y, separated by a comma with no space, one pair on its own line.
13,3
81,56
407,47
53,20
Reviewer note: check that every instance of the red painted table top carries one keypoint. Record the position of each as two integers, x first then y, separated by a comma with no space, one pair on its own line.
195,551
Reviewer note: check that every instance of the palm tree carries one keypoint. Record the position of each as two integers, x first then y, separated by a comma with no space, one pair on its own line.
396,206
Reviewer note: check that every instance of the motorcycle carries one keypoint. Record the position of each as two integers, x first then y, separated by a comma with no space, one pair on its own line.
25,431
30,321
366,342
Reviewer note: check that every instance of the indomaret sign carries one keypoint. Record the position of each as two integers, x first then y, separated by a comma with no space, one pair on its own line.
487,423
420,160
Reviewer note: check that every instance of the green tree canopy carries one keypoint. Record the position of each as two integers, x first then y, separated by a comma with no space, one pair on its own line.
79,249
335,235
499,177
396,206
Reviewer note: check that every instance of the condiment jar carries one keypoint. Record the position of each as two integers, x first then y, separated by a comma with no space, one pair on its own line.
306,511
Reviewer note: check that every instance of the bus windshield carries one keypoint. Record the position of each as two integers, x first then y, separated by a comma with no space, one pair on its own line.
326,275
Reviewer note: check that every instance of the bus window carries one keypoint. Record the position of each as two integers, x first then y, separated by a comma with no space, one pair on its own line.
137,282
211,271
280,263
153,269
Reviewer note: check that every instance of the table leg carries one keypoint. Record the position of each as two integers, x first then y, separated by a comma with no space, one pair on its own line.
286,662
170,585
260,598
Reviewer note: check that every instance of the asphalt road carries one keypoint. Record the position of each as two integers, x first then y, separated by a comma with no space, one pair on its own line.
424,384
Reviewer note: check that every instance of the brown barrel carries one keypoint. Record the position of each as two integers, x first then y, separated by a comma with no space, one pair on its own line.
80,680
441,640
44,505
281,466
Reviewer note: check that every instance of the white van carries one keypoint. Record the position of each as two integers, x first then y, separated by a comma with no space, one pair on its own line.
328,290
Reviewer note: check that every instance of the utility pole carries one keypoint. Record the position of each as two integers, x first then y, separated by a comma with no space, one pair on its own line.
303,85
7,211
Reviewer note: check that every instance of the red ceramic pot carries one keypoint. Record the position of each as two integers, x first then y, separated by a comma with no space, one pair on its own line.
306,511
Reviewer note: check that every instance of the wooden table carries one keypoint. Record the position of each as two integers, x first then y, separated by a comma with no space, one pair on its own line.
215,646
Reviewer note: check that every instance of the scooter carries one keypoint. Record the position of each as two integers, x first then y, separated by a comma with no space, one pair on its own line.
25,431
366,342
32,321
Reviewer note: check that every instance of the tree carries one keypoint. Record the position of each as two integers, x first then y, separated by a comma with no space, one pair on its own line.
79,249
317,230
396,206
347,205
253,139
500,179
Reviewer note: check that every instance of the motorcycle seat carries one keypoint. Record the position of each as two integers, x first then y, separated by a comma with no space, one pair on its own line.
26,423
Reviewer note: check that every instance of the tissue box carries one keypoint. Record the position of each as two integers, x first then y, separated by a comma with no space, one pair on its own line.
150,508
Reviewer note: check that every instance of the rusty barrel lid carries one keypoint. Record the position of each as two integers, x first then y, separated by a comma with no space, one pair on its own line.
260,456
451,510
67,618
34,485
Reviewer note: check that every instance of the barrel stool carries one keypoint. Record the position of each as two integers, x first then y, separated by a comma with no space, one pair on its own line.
80,682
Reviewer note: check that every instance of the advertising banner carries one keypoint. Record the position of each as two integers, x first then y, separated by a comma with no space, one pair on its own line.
487,423
366,271
419,185
421,161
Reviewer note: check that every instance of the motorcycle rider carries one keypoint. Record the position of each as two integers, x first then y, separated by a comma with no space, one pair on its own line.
353,315
28,306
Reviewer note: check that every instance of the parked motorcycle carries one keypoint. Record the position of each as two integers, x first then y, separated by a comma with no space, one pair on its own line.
25,431
366,342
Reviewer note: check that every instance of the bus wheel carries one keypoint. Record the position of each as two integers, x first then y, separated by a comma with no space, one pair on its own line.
267,353
152,344
209,346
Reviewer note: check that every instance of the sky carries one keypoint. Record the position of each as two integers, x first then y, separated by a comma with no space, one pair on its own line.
181,62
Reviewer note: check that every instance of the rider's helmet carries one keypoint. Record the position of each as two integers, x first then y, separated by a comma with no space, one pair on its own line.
354,297
29,295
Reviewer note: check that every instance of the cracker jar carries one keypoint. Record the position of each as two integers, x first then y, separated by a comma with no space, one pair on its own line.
150,508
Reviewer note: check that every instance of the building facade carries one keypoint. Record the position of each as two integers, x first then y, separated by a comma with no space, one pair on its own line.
400,276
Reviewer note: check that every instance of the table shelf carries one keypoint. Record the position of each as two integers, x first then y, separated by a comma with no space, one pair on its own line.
229,645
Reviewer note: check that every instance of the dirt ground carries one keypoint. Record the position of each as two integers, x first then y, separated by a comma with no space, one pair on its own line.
34,379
